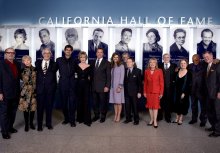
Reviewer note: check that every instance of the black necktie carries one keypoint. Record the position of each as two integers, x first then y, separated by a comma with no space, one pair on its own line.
97,64
129,72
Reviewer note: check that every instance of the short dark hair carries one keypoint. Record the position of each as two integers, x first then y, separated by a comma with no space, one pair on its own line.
44,29
100,48
206,30
20,31
155,31
207,52
177,31
98,29
126,29
68,46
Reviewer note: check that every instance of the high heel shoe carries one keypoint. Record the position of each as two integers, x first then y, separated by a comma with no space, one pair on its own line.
180,123
150,124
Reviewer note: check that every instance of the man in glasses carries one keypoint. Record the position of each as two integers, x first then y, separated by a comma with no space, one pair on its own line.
9,92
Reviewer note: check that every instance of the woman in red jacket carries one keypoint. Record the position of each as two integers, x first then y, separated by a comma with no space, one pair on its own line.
153,89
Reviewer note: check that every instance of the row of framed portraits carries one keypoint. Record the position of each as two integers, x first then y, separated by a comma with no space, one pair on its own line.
141,43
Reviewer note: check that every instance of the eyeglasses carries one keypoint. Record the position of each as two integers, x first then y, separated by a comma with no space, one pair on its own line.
13,53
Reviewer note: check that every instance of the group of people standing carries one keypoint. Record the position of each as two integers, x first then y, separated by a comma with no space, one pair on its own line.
166,87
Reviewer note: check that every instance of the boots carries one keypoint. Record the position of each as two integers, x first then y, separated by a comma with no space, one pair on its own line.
31,120
26,119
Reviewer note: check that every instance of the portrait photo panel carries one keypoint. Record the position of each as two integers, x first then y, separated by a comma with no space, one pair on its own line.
98,38
72,36
152,45
19,39
125,40
179,44
3,37
45,38
206,40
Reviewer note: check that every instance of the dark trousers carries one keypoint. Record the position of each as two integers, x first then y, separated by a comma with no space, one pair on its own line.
166,106
44,102
217,108
100,104
83,109
131,105
211,113
194,106
8,108
68,105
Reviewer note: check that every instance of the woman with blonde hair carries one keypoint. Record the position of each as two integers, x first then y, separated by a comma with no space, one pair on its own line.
153,90
28,102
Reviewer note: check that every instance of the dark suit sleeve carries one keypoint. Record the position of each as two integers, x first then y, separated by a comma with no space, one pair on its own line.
1,90
139,79
218,77
188,84
108,75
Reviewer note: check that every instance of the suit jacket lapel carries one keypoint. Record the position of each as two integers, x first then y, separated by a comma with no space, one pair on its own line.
8,69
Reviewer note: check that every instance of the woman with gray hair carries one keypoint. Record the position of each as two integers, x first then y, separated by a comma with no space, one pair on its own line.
28,102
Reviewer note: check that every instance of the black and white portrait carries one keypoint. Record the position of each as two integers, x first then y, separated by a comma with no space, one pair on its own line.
2,42
206,41
73,37
179,46
126,41
152,45
98,38
45,38
20,41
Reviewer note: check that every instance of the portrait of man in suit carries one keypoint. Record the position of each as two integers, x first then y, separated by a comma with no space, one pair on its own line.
44,35
206,43
95,43
177,51
124,44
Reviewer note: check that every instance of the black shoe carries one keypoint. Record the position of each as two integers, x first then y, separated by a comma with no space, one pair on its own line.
136,122
102,120
155,126
127,121
32,126
65,122
95,119
39,129
168,120
26,128
50,127
13,130
209,129
213,134
73,124
202,124
88,124
192,121
6,136
150,124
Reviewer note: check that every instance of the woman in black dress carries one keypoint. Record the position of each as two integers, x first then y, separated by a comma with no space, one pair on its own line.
83,87
181,94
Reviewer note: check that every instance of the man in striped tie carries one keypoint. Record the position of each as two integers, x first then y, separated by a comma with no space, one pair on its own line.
46,86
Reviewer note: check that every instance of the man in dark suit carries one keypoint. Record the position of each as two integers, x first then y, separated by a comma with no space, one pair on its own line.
101,80
132,88
198,90
169,80
9,92
206,43
96,43
213,93
177,51
66,67
45,88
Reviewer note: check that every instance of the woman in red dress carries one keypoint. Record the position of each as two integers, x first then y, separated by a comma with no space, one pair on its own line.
153,90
